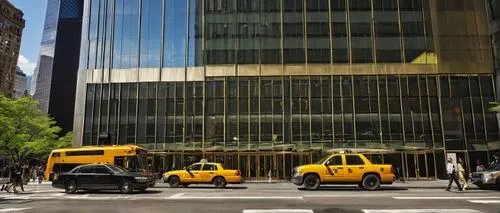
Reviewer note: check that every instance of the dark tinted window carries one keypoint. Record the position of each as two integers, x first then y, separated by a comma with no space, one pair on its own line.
56,154
59,168
101,170
86,169
195,167
335,160
353,160
209,167
86,152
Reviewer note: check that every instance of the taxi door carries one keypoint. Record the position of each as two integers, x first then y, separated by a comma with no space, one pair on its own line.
208,172
334,169
192,174
355,167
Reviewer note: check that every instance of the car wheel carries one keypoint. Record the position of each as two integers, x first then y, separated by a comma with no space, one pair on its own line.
125,187
220,182
185,184
174,182
371,182
142,189
311,182
70,187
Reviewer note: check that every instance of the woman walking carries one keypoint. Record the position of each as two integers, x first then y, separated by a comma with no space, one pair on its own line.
461,175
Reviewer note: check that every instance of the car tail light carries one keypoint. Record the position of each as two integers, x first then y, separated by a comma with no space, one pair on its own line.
237,173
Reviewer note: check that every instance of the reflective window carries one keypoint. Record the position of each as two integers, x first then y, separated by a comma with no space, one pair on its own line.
151,35
174,54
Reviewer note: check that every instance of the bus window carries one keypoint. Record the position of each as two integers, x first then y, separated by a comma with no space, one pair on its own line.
132,163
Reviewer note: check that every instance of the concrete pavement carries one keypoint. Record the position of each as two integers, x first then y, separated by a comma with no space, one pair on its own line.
256,198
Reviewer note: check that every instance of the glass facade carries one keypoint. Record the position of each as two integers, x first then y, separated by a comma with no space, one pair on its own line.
271,84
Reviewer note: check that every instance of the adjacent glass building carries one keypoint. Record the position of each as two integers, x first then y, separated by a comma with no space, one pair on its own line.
54,79
271,84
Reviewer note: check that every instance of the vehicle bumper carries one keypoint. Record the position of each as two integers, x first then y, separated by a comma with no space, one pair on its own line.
483,181
297,180
140,185
234,180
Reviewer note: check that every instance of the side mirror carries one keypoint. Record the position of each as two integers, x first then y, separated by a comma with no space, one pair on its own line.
110,173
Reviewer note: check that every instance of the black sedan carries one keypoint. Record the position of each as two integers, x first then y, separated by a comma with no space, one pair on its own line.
101,177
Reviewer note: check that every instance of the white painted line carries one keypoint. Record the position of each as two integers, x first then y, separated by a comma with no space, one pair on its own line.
278,211
484,201
14,209
177,195
360,195
420,211
443,198
236,198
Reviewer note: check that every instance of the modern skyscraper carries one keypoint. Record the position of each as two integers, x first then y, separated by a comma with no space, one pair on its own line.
19,84
54,79
271,84
11,29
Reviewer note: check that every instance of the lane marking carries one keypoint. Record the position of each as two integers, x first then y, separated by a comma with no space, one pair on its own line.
177,195
236,198
442,198
278,211
420,211
14,209
484,201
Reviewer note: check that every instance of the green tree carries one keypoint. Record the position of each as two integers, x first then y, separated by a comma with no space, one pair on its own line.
25,132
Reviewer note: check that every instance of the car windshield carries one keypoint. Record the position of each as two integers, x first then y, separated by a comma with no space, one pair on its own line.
117,169
494,167
323,159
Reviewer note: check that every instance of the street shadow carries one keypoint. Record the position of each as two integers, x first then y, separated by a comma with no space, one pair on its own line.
355,188
148,191
203,187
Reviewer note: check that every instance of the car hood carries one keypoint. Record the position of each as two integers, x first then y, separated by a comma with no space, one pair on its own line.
174,171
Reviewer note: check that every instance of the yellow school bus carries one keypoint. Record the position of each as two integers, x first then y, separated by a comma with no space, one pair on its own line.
130,157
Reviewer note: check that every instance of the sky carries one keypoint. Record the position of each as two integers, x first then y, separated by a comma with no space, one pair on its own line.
34,14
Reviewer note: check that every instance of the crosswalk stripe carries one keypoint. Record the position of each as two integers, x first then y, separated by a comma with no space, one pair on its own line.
420,211
278,211
484,201
14,209
443,198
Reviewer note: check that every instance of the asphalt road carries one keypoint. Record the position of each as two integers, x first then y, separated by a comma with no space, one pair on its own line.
254,198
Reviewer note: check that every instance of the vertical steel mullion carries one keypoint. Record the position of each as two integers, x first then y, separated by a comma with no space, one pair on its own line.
138,75
342,109
101,58
388,107
348,25
401,34
249,117
304,31
372,25
433,137
118,114
438,83
333,111
310,111
354,131
472,106
483,111
403,128
224,115
111,29
379,113
330,30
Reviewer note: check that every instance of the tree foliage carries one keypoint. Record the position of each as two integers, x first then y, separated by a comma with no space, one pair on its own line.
25,132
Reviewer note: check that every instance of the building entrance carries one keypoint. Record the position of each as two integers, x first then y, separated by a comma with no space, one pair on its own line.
419,165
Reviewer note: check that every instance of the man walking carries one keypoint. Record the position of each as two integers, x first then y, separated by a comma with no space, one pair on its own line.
452,175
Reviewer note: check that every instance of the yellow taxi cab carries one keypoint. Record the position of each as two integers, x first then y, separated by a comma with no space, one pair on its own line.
203,173
343,168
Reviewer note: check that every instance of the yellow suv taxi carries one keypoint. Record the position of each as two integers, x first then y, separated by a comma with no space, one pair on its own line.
343,169
202,173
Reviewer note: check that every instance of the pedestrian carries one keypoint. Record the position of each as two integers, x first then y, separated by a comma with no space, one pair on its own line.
479,166
13,178
452,175
40,175
270,176
462,174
